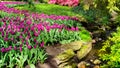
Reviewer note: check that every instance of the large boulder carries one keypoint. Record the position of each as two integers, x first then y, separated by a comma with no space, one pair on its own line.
84,50
79,49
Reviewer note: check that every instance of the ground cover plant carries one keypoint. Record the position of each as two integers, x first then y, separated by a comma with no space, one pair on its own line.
49,9
110,51
23,37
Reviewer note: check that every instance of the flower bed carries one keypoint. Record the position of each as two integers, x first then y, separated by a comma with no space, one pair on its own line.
22,38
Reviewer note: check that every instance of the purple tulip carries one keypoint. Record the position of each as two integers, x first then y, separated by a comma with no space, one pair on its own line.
15,48
2,33
35,40
1,29
29,47
36,34
20,37
20,49
35,46
48,28
27,43
3,49
21,45
5,39
10,47
12,39
42,44
76,28
72,28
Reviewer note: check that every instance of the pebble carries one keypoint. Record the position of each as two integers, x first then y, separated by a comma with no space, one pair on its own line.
96,66
82,64
97,61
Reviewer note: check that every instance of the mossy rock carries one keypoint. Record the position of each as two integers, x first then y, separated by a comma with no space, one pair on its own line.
73,45
85,49
68,65
77,49
65,56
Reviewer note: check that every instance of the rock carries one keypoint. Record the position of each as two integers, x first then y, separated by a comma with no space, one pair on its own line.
85,49
82,64
97,61
87,64
65,56
91,60
78,49
27,66
96,66
45,65
73,45
68,65
56,50
94,41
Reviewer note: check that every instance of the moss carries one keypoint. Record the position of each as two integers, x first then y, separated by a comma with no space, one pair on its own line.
65,56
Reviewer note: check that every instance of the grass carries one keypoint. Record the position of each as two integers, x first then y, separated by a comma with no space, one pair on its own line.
49,9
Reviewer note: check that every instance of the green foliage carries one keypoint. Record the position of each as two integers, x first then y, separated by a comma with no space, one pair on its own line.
93,15
4,14
117,20
111,5
27,56
85,36
110,52
49,9
63,36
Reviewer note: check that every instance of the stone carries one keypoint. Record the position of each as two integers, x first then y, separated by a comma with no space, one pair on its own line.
56,50
73,45
82,64
96,66
87,64
45,65
78,49
91,60
97,61
85,49
65,56
67,65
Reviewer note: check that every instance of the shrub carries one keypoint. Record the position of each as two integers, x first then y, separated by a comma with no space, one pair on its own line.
64,2
93,15
110,51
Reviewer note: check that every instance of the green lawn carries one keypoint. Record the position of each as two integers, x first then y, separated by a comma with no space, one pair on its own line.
49,9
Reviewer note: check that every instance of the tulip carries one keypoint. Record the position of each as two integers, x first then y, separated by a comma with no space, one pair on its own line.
15,48
20,49
42,44
29,47
3,49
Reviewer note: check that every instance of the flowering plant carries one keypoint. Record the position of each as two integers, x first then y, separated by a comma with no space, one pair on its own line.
23,38
65,2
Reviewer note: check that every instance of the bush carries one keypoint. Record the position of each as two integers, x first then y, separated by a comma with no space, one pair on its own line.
64,2
92,15
110,52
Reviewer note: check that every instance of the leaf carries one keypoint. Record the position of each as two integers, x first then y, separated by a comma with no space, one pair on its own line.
86,7
25,58
32,66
